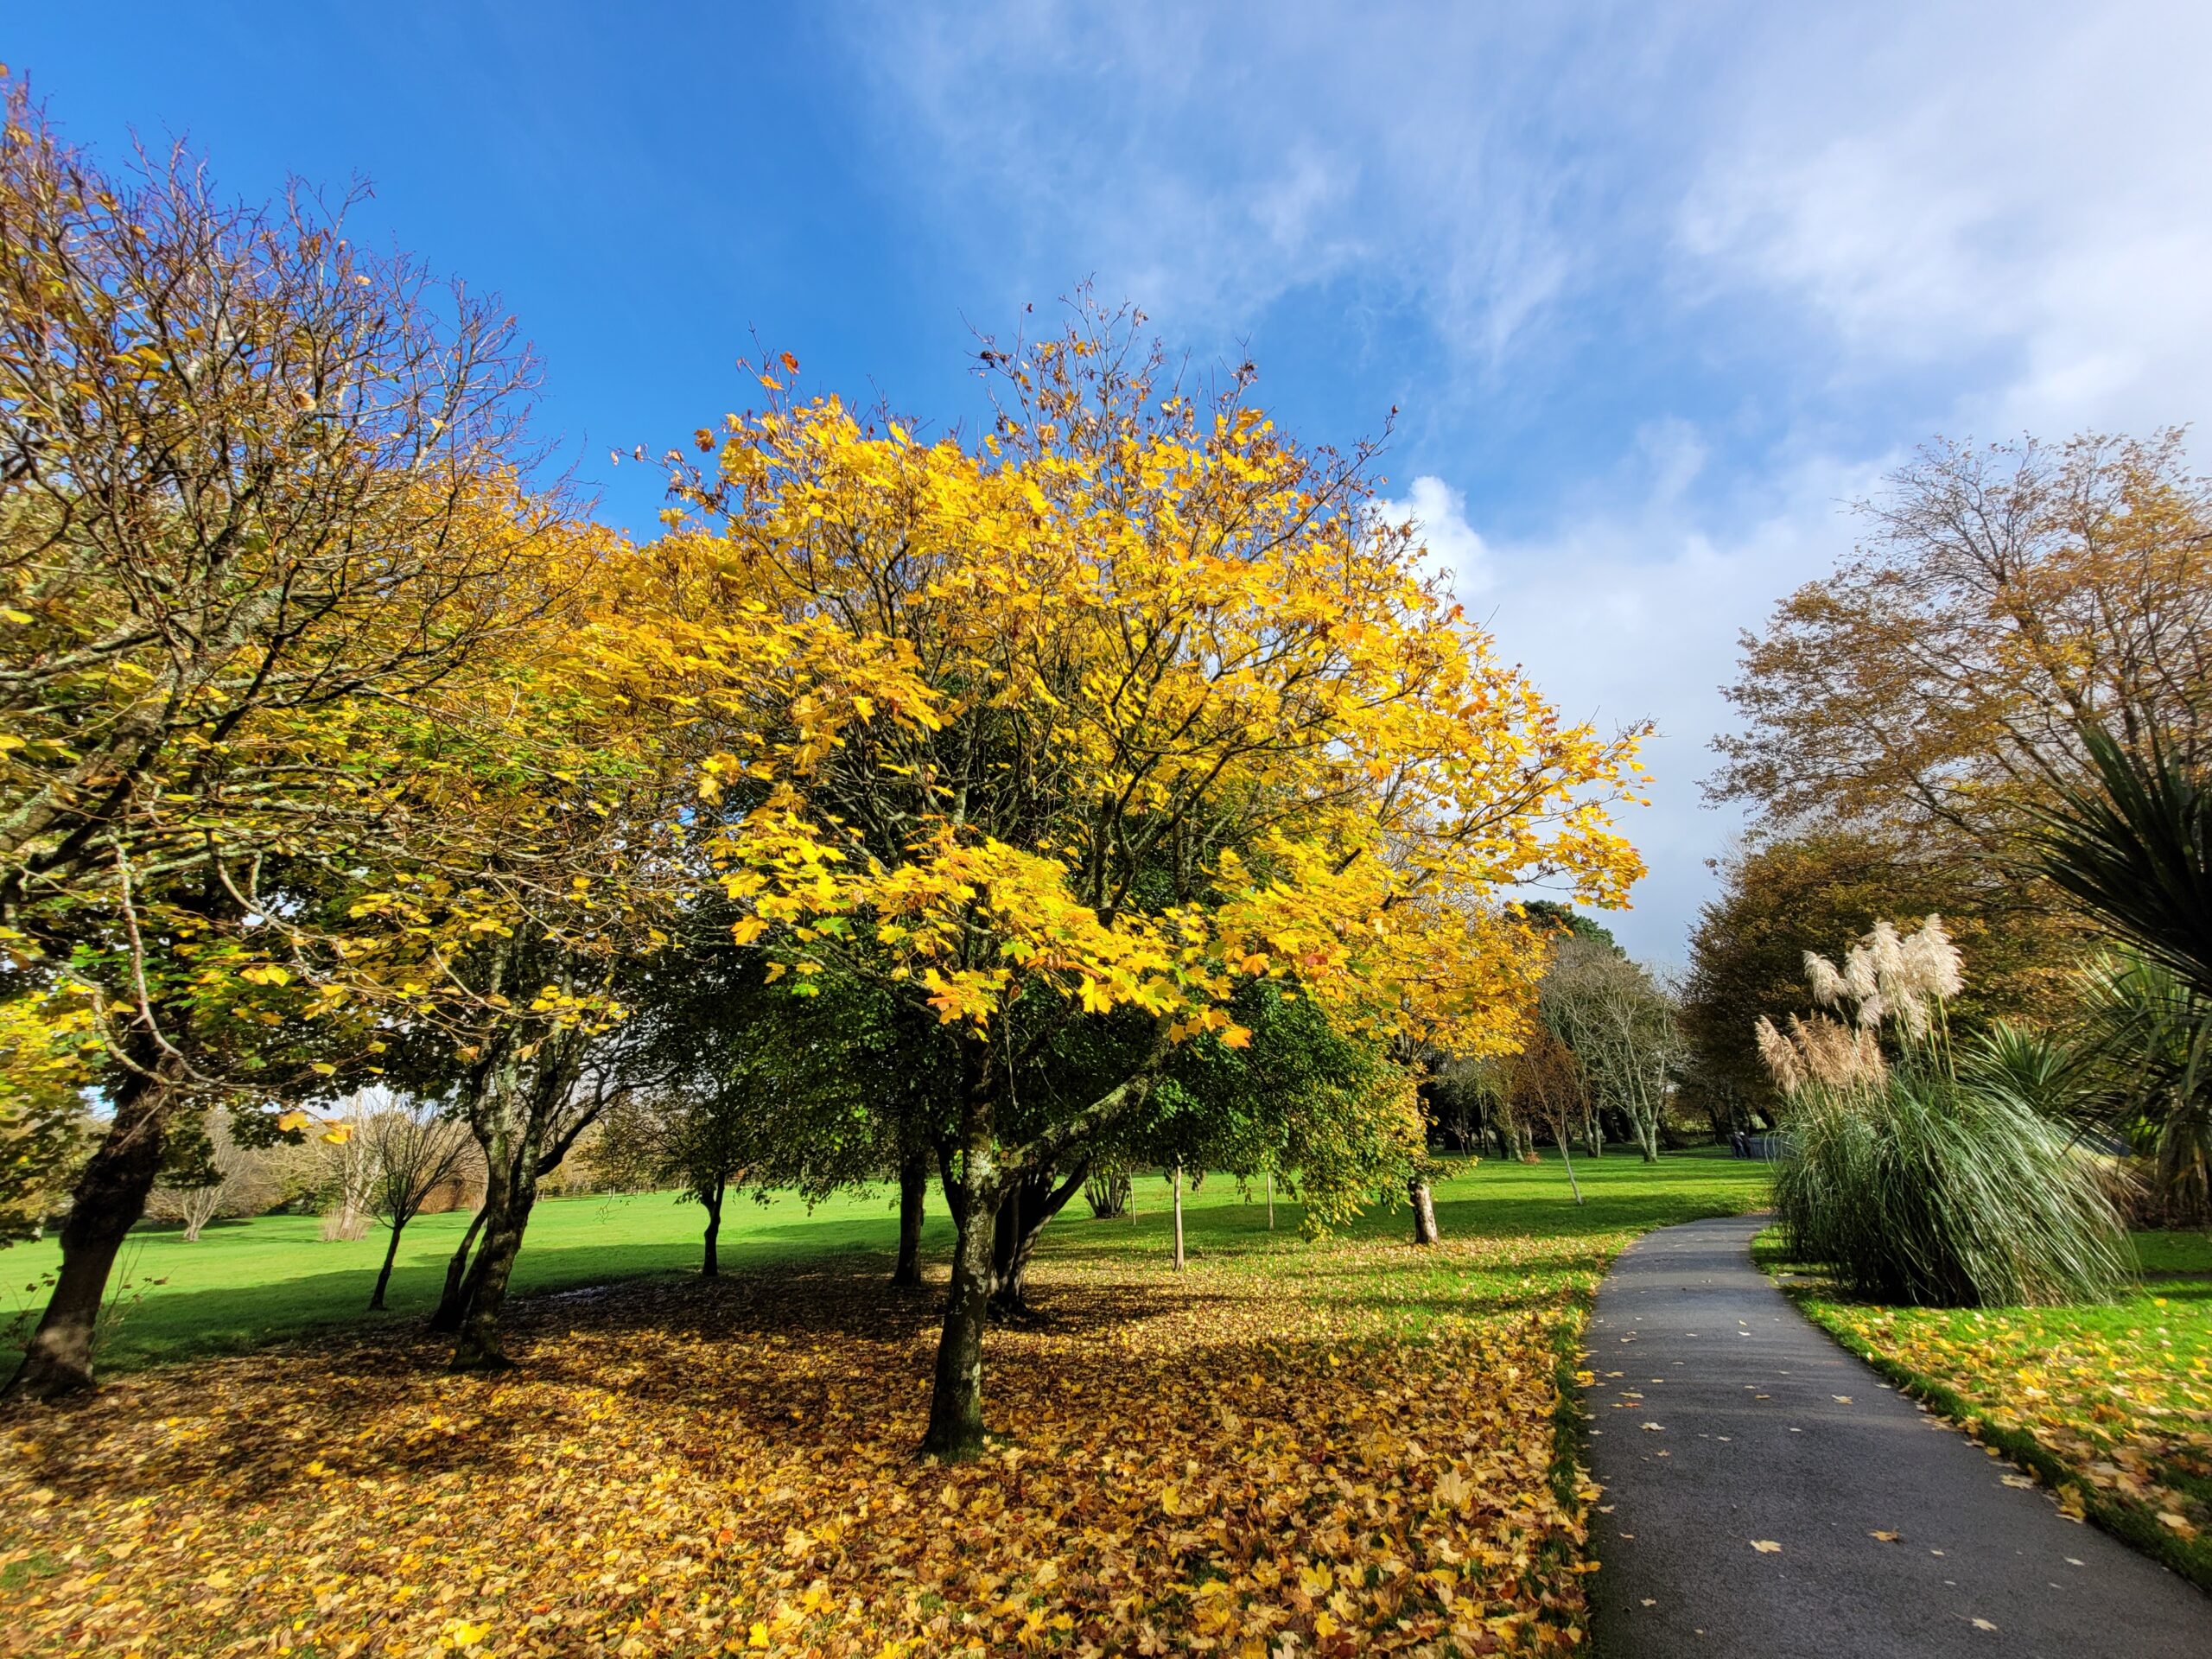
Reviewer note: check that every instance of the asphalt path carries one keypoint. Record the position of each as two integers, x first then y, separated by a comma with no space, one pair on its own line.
1767,1496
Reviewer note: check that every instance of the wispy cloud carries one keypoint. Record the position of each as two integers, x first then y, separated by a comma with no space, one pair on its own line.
1213,159
1664,285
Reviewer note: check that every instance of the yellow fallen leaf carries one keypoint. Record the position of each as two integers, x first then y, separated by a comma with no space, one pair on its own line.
1766,1547
1887,1537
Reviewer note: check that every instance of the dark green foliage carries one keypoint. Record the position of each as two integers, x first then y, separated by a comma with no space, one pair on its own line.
2144,1072
2133,849
1548,915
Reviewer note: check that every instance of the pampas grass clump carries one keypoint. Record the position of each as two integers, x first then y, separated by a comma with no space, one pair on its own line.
1915,1179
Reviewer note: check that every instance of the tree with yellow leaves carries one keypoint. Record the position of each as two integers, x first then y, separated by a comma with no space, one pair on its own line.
262,498
1079,727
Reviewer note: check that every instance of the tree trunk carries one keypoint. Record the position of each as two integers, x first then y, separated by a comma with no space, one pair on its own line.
1424,1209
914,1196
494,1084
109,1200
1176,1182
1271,1200
479,1348
510,1133
710,1265
384,1274
956,1426
1567,1159
1027,1204
452,1302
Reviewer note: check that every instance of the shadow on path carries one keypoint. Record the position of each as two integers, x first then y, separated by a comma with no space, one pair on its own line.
1724,1419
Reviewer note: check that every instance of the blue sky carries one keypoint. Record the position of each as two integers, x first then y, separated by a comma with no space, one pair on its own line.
1657,289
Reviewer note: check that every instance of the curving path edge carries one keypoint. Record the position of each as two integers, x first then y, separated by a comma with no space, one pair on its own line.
1722,1419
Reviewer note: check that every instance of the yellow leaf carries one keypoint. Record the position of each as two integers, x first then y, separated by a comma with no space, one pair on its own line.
1766,1547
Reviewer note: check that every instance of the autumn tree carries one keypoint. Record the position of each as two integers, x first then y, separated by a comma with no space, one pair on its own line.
49,1056
1092,720
252,480
1938,681
1549,1084
414,1147
211,1174
1619,1019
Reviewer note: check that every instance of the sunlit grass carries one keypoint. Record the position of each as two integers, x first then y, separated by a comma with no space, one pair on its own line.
249,1282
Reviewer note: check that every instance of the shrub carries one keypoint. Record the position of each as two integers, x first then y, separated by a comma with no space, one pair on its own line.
1918,1180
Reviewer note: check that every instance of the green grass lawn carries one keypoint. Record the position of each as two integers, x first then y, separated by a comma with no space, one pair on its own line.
245,1283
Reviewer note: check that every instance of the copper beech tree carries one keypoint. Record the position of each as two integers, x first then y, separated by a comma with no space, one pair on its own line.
1087,723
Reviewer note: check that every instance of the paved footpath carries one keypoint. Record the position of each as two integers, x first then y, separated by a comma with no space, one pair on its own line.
1725,1422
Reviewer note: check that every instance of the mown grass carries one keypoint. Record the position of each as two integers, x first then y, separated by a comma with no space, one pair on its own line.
2110,1405
244,1284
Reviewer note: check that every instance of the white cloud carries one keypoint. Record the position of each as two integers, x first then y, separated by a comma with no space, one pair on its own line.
1438,514
1632,613
1212,159
1938,188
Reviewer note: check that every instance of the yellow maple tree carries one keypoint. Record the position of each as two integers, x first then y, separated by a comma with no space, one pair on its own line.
1130,702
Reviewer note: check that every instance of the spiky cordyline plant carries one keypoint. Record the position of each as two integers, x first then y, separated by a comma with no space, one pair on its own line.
1914,1179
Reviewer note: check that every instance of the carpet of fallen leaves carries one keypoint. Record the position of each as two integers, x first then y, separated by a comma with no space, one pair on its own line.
2121,1397
1327,1454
